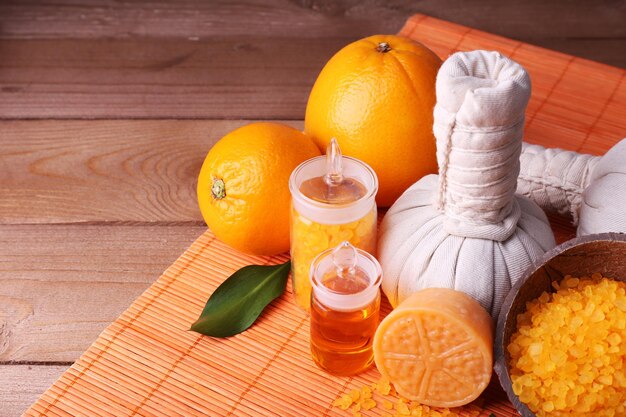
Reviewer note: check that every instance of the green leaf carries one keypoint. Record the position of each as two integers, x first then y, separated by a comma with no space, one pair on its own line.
237,302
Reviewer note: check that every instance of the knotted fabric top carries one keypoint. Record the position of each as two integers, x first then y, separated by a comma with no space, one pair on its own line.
478,124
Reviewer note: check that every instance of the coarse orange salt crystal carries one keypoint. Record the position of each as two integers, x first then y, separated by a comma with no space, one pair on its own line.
567,355
366,392
368,404
343,402
394,406
402,408
383,386
355,394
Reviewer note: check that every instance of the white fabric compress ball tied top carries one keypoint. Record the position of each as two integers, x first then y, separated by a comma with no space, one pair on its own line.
590,189
466,229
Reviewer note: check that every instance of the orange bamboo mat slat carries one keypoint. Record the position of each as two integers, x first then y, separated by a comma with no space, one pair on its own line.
148,364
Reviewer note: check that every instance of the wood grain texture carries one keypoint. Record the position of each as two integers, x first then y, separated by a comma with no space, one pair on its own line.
196,19
526,21
195,59
81,171
60,285
21,385
244,77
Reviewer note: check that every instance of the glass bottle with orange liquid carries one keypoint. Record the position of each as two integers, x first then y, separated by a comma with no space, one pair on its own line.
345,309
333,200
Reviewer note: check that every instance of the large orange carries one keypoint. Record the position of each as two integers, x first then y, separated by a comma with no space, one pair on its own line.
376,96
243,186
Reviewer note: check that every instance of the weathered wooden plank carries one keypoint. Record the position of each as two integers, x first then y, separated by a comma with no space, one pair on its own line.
112,170
245,77
61,285
159,60
528,20
194,19
21,385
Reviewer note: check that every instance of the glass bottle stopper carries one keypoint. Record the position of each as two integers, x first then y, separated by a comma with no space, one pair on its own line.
334,164
345,259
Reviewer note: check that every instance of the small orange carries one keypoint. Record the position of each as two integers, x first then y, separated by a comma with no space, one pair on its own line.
243,186
376,96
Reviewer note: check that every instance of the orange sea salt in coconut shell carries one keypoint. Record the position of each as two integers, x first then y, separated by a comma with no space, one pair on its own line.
568,356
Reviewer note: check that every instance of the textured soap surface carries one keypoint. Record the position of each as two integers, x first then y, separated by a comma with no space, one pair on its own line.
437,348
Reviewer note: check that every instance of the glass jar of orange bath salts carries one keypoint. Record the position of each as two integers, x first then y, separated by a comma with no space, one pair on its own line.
333,200
345,309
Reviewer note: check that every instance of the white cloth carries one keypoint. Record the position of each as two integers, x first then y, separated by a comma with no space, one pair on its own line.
416,252
603,208
590,189
555,178
479,122
465,229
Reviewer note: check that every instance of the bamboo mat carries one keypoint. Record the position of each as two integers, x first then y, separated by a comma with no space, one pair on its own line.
147,364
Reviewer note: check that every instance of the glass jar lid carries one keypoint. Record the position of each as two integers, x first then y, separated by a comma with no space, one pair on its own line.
345,278
333,189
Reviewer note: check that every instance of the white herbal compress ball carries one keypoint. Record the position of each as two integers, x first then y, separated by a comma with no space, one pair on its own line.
466,229
590,189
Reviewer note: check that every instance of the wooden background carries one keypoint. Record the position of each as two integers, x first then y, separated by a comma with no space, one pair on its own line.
108,108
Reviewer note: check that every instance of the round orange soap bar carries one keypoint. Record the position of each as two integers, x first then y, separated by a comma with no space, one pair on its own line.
436,347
